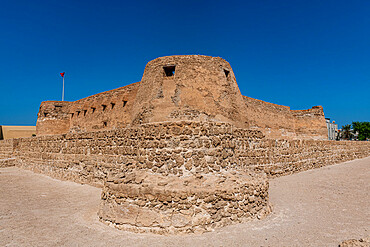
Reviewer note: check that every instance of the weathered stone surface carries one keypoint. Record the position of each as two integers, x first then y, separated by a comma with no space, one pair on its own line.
184,204
7,162
201,88
356,243
162,184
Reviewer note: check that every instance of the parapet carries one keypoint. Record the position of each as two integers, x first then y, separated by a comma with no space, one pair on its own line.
53,118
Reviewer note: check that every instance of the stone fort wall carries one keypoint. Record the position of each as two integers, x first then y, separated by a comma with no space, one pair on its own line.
176,177
175,88
103,111
180,151
278,121
6,153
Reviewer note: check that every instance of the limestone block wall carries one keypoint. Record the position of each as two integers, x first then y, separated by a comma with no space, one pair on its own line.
275,121
142,169
176,177
143,202
53,118
6,153
178,148
103,111
310,124
6,148
279,122
284,157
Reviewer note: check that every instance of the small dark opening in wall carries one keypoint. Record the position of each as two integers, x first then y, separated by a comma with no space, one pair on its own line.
85,111
72,115
226,73
112,104
93,109
104,106
78,113
58,107
105,124
124,103
169,70
45,114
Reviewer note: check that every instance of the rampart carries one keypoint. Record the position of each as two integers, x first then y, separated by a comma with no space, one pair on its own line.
277,121
175,177
177,88
106,110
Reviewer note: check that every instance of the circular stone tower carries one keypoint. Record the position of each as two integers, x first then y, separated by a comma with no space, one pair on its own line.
191,87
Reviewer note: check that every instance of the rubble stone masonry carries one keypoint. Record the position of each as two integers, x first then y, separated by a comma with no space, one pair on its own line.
6,153
176,177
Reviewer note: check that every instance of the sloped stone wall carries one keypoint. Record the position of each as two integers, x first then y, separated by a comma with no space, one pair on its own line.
180,149
176,177
280,122
284,157
144,202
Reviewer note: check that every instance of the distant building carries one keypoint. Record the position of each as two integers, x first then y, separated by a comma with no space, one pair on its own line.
332,129
9,132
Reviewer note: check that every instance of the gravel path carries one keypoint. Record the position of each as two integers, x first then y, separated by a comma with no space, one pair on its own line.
320,207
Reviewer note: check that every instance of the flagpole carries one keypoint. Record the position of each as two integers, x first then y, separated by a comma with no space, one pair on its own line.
63,90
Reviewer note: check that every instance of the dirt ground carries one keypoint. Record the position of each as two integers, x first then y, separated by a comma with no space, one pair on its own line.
320,207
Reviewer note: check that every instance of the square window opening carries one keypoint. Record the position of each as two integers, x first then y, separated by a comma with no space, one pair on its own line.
169,71
226,73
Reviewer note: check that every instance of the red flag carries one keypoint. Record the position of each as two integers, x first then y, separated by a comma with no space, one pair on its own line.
62,74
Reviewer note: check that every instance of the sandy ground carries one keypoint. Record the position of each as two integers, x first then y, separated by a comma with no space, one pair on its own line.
320,207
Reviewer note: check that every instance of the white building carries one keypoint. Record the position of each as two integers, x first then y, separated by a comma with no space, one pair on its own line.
332,129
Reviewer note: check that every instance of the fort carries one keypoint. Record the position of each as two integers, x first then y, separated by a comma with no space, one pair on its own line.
176,88
181,151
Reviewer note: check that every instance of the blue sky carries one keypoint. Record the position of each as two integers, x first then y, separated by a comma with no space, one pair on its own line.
294,53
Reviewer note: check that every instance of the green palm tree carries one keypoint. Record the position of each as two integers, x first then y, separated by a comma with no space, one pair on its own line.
346,132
